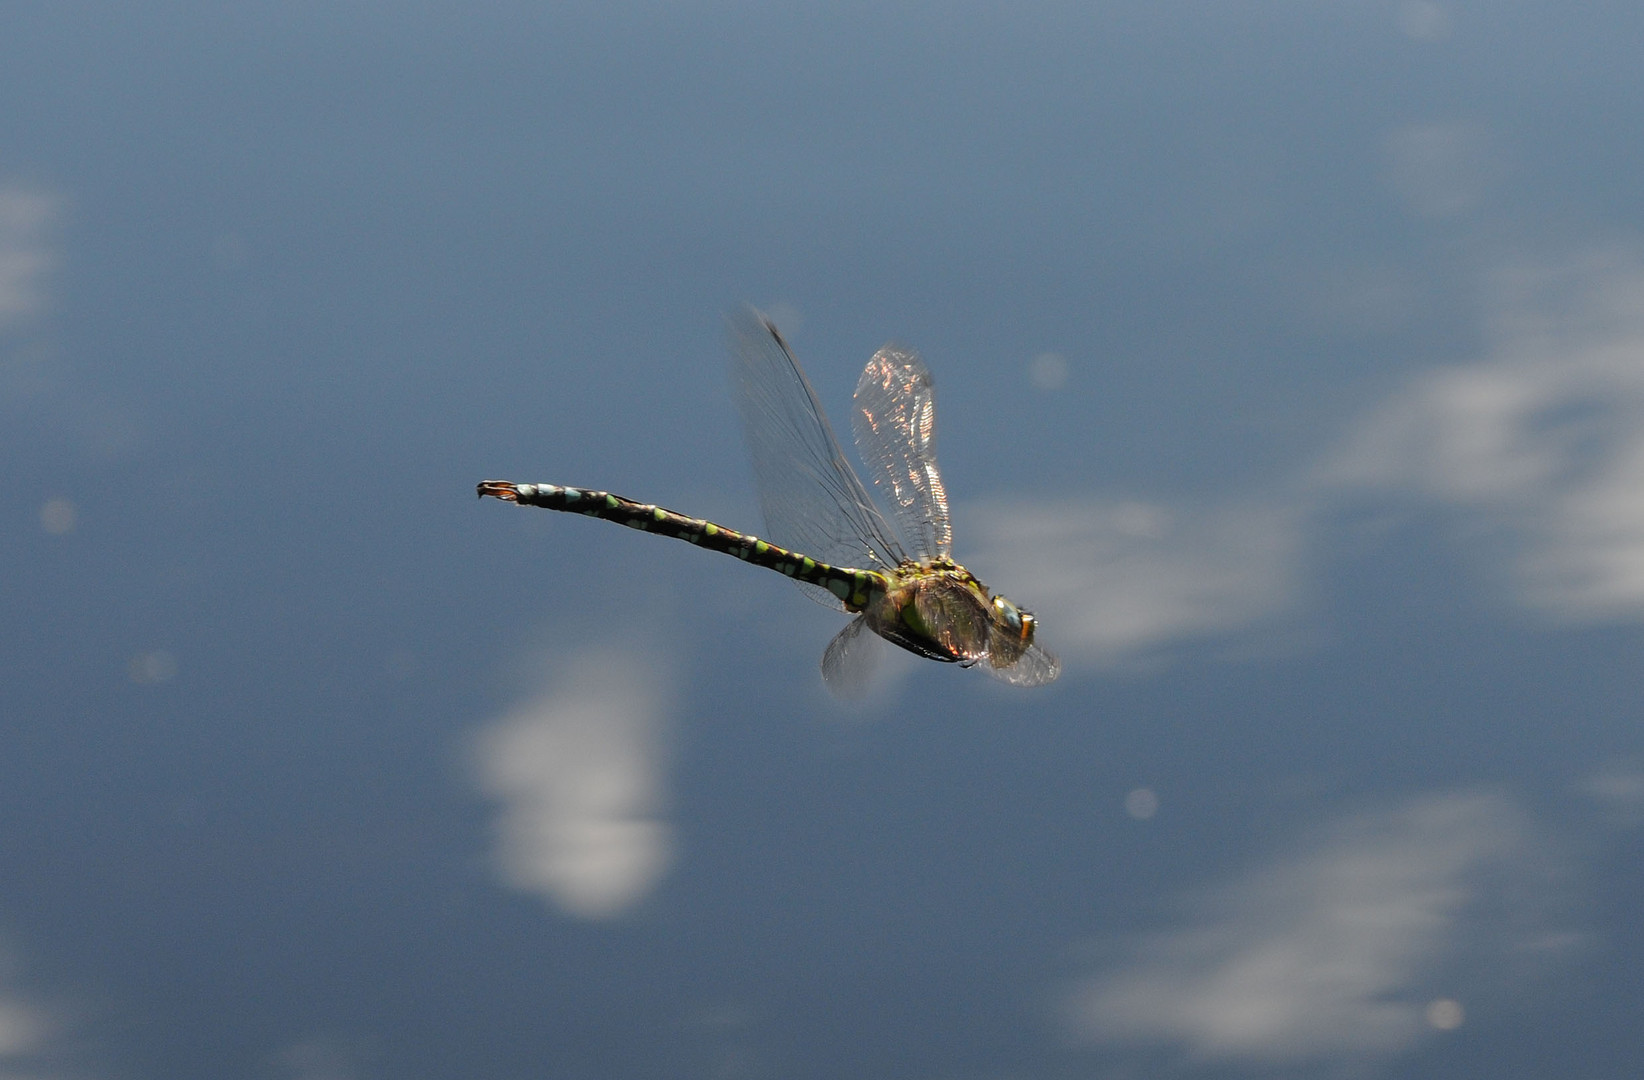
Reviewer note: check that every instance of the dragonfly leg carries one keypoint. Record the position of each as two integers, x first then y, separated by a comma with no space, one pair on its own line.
498,489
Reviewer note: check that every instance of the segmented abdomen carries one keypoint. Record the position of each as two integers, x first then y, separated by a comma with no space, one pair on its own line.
854,588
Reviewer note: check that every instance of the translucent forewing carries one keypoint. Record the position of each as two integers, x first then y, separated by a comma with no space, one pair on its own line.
811,498
894,418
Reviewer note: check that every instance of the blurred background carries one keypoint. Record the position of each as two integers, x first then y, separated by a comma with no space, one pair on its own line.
1290,361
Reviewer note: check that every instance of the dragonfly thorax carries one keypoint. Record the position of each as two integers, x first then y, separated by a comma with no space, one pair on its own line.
938,609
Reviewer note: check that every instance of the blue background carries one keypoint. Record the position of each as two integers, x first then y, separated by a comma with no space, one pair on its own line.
1291,368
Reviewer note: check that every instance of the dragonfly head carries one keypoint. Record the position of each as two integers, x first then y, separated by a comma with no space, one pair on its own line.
1016,622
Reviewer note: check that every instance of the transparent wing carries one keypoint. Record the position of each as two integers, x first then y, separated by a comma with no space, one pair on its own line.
812,500
895,424
851,659
1033,667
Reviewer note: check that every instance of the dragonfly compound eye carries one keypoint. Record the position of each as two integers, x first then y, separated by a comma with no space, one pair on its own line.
1019,621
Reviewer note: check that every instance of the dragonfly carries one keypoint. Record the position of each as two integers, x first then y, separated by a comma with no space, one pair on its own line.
824,530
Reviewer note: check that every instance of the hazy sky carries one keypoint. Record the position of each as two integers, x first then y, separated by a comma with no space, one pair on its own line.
1290,362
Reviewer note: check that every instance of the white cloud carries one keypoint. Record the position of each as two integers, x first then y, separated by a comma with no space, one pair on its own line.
25,257
23,1028
322,1058
1111,579
1424,21
1537,449
580,773
33,374
1543,441
37,1039
1335,953
1618,788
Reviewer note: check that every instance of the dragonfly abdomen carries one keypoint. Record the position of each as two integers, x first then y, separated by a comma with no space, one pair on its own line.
854,588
